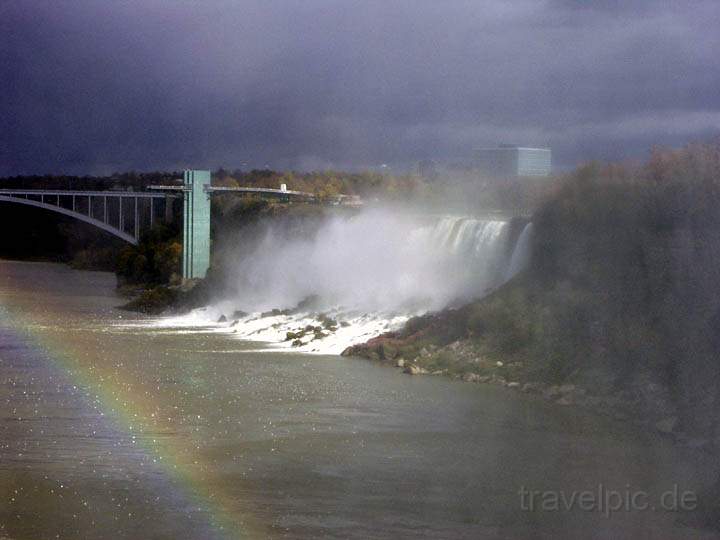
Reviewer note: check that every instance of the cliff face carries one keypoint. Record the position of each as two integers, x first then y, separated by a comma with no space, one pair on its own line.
621,299
626,264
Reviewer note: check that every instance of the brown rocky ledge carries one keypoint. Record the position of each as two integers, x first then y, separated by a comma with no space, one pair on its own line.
641,401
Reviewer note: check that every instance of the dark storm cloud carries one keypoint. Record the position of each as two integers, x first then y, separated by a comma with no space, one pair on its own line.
99,86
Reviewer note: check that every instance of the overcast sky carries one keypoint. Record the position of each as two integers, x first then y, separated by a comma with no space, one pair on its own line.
99,86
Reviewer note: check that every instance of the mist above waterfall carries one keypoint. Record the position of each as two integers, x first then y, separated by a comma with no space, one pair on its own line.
377,260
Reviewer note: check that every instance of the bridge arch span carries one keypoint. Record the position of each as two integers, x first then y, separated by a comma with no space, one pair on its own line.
77,215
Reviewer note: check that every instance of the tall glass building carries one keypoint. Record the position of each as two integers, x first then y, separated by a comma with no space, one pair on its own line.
510,160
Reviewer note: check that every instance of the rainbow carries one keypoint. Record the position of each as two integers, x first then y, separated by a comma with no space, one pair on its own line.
116,397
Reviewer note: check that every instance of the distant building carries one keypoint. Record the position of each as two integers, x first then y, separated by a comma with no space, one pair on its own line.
511,160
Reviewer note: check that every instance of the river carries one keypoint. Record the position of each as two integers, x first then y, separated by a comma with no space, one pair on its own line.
116,430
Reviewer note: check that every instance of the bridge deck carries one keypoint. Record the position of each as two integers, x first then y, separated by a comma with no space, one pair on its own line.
79,193
228,189
272,191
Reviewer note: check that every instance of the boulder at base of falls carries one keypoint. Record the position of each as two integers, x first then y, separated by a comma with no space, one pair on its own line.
412,369
532,387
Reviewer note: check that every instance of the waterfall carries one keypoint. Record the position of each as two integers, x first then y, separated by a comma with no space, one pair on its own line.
521,252
365,274
474,249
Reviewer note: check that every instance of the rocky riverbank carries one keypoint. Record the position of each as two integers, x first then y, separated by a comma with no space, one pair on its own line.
166,298
642,400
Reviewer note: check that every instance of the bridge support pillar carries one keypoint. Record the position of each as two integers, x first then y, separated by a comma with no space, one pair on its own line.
196,225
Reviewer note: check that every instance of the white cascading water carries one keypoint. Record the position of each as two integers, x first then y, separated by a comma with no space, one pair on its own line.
521,252
365,274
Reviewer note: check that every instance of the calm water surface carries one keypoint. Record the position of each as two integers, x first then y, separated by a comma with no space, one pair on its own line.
110,428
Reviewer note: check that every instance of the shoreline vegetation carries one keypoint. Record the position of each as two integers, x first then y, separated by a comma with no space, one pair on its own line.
618,312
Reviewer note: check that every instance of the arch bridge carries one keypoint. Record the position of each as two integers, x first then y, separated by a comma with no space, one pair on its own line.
126,214
121,213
